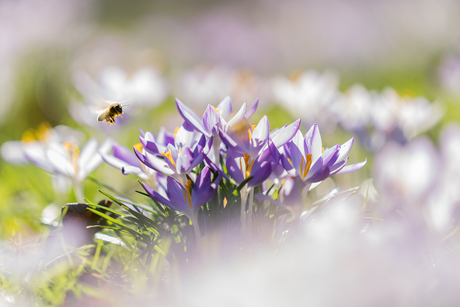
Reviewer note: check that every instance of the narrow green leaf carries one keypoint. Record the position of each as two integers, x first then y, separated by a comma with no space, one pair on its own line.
243,183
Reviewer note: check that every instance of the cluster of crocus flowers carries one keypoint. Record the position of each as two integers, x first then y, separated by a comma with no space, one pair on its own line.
57,151
195,159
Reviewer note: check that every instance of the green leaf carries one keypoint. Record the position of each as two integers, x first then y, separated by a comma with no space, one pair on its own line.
243,183
114,221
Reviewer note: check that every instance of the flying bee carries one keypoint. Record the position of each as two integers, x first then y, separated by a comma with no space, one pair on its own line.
109,114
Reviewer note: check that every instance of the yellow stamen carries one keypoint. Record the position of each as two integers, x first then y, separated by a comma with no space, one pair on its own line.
251,130
74,152
295,75
323,149
215,109
225,202
43,131
175,132
168,155
187,196
40,134
29,136
305,165
248,162
138,146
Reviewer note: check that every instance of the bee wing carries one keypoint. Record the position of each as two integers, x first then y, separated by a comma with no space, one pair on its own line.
101,116
95,109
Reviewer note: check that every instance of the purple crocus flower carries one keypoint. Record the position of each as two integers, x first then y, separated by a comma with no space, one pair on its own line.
156,145
251,140
215,119
184,198
243,166
176,160
304,157
124,159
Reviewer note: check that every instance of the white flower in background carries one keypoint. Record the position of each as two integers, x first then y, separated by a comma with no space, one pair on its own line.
307,95
56,150
66,160
412,115
144,87
13,151
449,74
354,107
375,118
406,175
417,115
203,85
246,87
444,203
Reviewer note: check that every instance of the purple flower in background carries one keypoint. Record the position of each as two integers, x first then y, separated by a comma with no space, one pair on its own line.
304,157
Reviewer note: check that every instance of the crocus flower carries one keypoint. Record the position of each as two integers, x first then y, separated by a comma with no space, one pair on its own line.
308,95
176,160
304,157
214,119
243,166
185,198
251,140
65,159
124,159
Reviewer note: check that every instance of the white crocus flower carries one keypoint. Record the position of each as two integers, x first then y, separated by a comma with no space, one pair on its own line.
308,94
66,160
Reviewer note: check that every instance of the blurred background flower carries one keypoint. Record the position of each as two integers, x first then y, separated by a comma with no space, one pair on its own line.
386,73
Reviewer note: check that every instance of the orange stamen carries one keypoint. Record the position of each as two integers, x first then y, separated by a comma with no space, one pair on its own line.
74,152
168,155
175,132
305,165
187,196
138,146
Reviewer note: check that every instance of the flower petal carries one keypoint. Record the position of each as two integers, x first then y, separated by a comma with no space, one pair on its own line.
259,136
155,163
252,110
190,117
238,116
234,166
286,133
313,143
211,120
345,149
123,153
225,107
352,167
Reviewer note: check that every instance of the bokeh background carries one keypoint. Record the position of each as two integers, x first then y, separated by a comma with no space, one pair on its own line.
56,56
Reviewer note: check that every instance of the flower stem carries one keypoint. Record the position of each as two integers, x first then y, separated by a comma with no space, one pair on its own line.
244,198
78,190
196,227
250,205
216,147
